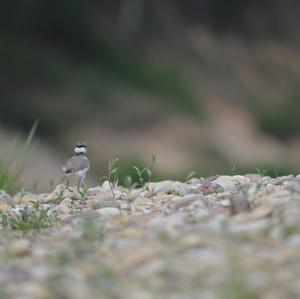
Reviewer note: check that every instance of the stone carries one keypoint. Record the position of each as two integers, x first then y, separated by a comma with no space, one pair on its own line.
48,198
170,187
104,200
108,212
124,206
28,199
210,187
242,180
106,185
59,189
187,200
19,248
145,194
94,191
276,198
292,185
70,194
194,181
5,208
227,183
239,203
7,199
162,187
64,207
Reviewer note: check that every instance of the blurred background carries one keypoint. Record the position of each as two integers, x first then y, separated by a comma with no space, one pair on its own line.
210,86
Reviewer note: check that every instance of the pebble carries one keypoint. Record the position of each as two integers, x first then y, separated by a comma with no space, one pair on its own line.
108,212
227,183
103,200
170,187
28,199
5,208
188,200
19,248
7,199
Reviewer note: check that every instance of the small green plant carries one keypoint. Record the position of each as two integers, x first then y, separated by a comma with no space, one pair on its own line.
262,172
35,185
190,176
26,219
233,169
51,184
128,182
61,195
83,193
11,170
112,175
144,175
22,191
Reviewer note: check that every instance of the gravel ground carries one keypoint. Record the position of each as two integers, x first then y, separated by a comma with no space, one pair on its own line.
223,237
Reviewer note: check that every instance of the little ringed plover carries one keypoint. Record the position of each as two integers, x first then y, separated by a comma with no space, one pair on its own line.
77,165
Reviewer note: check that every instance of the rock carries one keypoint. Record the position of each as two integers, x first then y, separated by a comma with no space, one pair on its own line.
262,212
59,189
162,187
292,185
227,183
210,187
104,200
187,200
225,203
194,181
108,212
28,199
133,194
125,206
94,191
48,198
242,180
209,179
106,185
71,194
64,207
145,194
19,248
7,199
119,194
239,203
182,189
274,197
170,187
5,208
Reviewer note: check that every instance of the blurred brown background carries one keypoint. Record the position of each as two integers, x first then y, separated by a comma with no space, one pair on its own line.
209,85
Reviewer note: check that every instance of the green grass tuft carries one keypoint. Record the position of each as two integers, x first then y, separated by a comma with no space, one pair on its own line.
26,219
12,168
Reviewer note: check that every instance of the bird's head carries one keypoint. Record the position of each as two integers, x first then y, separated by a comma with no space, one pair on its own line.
80,148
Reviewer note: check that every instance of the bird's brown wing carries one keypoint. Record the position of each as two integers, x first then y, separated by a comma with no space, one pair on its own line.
76,163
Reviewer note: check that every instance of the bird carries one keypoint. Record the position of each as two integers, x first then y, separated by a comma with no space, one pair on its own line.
77,165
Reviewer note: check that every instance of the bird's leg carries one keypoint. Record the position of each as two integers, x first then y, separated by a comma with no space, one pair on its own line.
80,181
67,182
